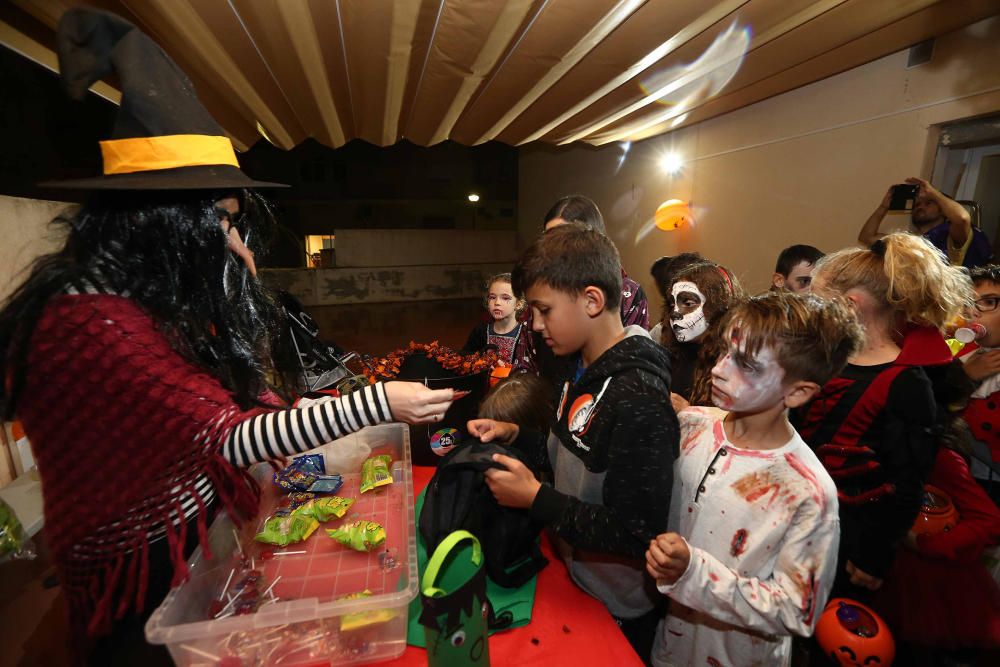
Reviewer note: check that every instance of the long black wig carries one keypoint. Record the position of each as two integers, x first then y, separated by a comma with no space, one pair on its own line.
166,251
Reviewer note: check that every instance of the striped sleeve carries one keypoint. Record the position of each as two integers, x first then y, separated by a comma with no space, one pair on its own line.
288,432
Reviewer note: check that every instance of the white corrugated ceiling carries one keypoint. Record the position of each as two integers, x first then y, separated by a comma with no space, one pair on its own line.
515,71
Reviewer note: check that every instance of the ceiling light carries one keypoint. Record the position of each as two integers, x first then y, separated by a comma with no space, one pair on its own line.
671,163
473,197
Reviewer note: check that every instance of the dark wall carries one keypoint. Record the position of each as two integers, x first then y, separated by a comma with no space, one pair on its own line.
403,186
47,136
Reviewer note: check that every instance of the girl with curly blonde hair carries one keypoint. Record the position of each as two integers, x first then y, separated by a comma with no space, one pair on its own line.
874,426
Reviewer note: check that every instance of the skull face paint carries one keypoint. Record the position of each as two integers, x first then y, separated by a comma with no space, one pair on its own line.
741,384
687,313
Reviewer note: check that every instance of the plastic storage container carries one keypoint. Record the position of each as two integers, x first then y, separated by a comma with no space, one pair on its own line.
311,623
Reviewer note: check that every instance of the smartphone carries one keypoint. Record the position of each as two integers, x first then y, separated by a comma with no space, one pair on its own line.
903,197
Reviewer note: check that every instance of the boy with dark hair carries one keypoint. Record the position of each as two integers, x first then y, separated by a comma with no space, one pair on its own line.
794,268
611,449
982,365
755,551
530,353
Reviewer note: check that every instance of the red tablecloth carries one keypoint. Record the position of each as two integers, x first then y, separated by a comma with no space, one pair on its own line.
568,627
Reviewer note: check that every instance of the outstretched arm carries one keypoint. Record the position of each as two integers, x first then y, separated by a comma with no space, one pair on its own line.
961,221
869,233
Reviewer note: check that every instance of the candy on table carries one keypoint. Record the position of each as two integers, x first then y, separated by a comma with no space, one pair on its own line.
324,509
359,535
363,619
298,498
285,644
285,530
307,473
375,472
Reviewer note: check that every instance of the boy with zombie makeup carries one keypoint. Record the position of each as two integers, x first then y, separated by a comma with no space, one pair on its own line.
697,298
614,436
755,514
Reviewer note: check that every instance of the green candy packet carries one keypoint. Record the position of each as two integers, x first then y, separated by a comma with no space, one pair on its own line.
375,472
359,535
362,619
285,530
324,509
14,543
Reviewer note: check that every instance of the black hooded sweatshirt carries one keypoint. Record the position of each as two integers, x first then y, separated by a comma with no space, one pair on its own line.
611,454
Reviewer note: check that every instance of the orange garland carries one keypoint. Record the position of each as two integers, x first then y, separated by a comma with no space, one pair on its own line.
387,367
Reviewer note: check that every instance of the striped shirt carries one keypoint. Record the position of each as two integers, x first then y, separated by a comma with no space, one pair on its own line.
268,436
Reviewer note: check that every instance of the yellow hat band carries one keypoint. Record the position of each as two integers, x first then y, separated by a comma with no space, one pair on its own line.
126,156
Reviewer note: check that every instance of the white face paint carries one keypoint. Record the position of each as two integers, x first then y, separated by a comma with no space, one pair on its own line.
687,318
747,385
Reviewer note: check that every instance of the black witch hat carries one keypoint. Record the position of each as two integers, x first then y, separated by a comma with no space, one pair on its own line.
164,138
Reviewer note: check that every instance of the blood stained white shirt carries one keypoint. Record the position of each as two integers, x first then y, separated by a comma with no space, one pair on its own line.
763,530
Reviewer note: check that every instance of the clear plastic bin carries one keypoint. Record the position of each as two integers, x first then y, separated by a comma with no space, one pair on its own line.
310,624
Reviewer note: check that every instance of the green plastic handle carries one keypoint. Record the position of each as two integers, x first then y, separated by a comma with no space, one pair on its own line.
442,551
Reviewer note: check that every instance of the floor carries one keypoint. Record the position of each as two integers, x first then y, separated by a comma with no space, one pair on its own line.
33,629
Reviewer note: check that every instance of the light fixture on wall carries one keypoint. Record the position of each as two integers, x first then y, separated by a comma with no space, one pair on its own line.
671,162
671,214
473,197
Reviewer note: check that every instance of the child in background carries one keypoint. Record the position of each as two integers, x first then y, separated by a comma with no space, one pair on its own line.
873,426
521,399
939,599
503,328
697,299
614,439
982,365
663,271
753,557
793,270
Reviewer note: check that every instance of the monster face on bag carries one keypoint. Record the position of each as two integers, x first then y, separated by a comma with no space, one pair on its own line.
464,643
456,610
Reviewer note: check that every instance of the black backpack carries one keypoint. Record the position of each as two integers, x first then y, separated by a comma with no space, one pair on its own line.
457,498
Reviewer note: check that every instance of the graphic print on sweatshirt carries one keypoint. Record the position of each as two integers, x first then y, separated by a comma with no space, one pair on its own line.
581,412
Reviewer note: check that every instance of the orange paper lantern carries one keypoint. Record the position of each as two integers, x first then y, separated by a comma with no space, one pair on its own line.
671,214
853,635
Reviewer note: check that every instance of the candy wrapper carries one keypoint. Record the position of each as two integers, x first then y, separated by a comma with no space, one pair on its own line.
285,530
292,479
375,472
361,619
298,498
310,463
14,543
307,474
327,484
324,509
360,535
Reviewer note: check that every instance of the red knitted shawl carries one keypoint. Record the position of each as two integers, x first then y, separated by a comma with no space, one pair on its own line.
121,426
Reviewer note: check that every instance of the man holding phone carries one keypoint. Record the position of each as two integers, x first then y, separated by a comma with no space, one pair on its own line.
937,217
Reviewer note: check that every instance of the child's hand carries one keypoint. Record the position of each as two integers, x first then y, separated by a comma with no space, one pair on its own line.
489,430
983,365
515,487
667,558
862,578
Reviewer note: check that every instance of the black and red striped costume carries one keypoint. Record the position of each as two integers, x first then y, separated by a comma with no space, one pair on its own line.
873,429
